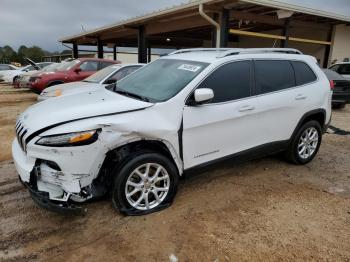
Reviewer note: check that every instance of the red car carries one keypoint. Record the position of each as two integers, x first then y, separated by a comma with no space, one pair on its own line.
71,71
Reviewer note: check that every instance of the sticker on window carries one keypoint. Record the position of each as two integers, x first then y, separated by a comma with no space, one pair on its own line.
192,68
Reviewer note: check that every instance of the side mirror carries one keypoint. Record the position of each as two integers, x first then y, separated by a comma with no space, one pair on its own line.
77,70
202,95
110,81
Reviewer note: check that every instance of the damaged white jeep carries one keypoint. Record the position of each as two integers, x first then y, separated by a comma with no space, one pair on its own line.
133,140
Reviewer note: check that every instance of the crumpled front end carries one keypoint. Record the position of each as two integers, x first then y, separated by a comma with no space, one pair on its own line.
52,184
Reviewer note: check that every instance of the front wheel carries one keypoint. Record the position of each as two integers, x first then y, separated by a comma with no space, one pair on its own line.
305,144
146,183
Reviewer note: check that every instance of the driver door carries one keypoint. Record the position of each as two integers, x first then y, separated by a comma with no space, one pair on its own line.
225,125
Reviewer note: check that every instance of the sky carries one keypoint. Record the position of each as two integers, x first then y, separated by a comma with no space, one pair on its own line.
43,22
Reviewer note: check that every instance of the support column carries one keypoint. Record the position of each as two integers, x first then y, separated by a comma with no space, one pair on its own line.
213,31
141,43
327,51
224,24
99,49
284,43
149,52
115,52
75,50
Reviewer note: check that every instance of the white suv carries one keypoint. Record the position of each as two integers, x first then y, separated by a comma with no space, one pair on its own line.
183,111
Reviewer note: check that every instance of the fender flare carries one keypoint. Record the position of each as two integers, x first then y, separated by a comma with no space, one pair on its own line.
308,114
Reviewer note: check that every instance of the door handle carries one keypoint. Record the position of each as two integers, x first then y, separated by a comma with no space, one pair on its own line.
246,108
300,97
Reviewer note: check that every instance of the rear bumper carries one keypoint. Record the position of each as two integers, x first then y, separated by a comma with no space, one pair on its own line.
341,97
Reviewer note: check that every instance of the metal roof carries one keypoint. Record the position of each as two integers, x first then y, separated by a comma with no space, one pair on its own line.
335,9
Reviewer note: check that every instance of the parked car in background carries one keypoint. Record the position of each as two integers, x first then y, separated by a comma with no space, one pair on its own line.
72,71
23,79
341,90
184,111
10,76
108,75
4,67
342,69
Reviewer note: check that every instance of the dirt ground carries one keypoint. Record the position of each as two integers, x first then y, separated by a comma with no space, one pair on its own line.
265,209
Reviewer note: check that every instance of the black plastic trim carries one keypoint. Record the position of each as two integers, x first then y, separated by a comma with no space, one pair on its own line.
249,154
180,135
307,114
64,208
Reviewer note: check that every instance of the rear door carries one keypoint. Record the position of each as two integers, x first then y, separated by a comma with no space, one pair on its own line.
283,96
225,125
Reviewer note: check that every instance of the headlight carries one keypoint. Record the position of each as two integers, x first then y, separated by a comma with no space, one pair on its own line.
57,92
70,139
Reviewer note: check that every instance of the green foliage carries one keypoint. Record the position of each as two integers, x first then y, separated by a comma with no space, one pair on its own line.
35,53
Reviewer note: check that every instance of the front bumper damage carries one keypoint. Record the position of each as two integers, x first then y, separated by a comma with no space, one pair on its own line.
51,188
42,199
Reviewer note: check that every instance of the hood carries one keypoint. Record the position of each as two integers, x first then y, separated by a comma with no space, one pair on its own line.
50,73
67,87
31,62
83,105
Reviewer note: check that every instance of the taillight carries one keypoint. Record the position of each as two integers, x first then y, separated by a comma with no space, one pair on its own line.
331,84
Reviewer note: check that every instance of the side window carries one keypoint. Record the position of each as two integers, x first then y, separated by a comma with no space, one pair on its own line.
273,75
105,64
229,82
5,67
89,66
123,72
303,73
344,69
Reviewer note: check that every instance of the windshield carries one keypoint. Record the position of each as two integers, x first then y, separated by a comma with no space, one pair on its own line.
102,74
162,79
51,67
67,65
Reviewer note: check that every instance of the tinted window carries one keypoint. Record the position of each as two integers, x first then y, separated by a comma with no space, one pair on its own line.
303,73
344,69
105,64
229,82
273,75
88,66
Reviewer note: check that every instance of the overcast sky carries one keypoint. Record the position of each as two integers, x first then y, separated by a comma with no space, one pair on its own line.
43,22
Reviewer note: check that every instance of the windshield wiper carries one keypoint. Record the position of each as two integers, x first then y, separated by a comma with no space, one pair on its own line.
126,93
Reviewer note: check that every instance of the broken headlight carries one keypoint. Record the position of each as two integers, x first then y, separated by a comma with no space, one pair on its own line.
70,139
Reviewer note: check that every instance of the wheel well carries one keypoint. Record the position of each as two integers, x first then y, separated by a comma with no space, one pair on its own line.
120,154
317,116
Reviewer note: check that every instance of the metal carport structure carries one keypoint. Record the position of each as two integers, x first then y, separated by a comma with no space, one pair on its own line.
224,23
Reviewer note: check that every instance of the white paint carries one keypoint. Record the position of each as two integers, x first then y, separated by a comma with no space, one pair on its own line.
210,131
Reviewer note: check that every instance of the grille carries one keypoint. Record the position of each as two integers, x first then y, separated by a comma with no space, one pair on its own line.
21,131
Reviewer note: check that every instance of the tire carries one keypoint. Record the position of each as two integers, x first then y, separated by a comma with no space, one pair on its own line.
130,178
295,153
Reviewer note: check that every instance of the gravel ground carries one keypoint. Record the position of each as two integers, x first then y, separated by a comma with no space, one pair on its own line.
265,209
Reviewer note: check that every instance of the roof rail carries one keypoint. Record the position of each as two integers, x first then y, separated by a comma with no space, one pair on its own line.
202,49
238,51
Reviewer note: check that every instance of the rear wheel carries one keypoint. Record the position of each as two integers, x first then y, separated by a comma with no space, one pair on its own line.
305,144
144,184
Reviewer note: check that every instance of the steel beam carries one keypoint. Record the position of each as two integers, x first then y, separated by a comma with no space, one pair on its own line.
224,26
75,50
141,42
99,49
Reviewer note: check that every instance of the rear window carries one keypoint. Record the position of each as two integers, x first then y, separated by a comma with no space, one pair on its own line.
303,73
273,75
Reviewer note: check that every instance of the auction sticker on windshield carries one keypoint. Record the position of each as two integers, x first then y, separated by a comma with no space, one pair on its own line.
192,68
